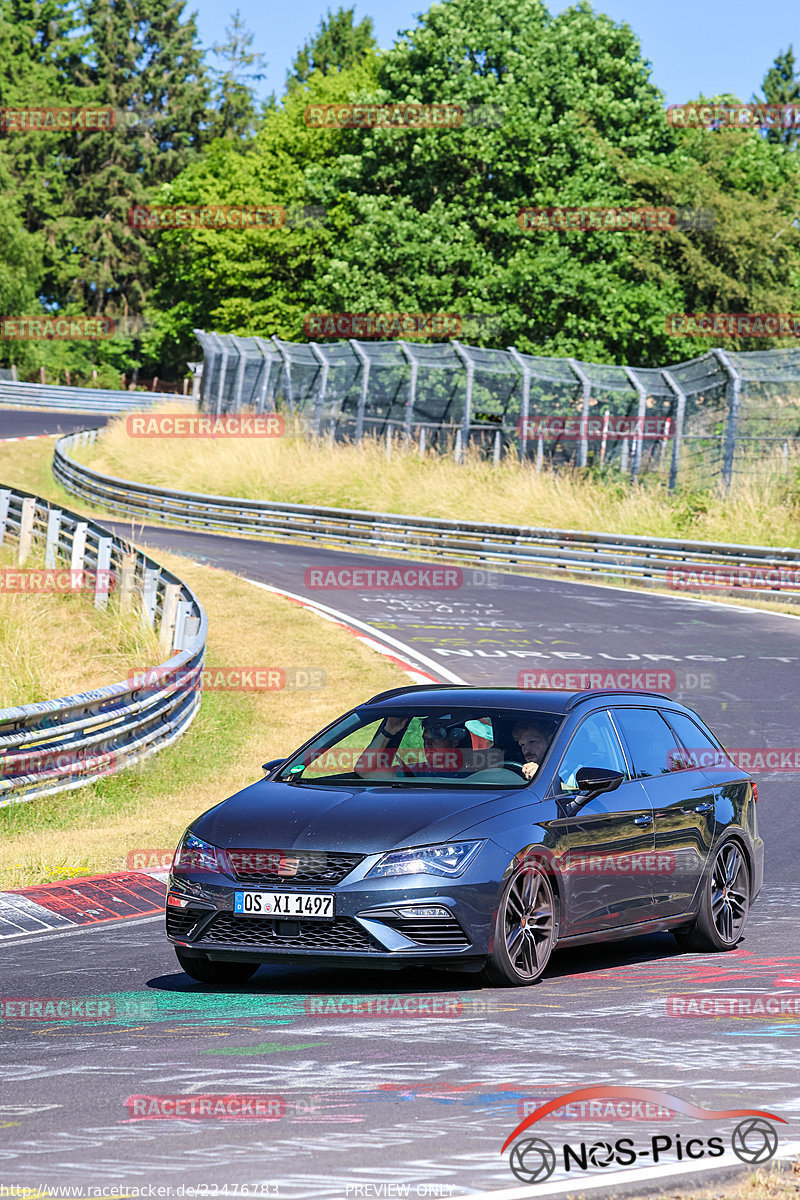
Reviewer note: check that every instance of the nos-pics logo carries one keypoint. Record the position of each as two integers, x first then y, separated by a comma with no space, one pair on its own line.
754,1139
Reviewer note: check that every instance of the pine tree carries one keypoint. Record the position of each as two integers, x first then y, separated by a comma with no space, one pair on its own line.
235,103
145,63
782,86
338,44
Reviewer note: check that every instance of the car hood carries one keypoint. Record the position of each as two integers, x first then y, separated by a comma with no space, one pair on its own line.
272,815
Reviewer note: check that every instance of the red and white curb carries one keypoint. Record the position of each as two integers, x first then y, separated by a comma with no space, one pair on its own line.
75,902
417,666
30,437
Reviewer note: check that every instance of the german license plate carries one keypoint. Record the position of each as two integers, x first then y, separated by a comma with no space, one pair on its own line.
283,904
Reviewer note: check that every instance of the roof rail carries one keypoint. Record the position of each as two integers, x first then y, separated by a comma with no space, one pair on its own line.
417,687
589,693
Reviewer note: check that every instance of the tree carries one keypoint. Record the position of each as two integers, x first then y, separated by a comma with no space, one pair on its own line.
145,63
256,280
782,86
235,103
338,45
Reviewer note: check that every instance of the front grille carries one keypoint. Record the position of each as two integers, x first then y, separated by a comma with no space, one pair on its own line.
432,931
181,921
342,933
269,866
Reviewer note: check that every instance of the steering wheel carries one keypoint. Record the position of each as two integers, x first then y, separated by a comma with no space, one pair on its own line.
514,764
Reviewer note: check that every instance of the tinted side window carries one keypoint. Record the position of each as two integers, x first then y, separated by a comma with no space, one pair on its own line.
651,743
703,751
594,744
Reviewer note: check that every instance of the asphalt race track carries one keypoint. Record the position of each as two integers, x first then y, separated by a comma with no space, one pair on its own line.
30,423
371,1106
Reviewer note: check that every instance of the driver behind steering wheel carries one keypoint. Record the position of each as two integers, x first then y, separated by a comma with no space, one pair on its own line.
533,741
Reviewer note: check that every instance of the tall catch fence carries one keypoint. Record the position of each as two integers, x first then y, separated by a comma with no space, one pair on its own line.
717,417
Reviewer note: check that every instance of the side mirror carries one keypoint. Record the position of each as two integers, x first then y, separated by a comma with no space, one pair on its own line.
592,781
598,779
269,767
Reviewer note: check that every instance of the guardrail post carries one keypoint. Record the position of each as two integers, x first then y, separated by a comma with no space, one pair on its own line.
78,546
734,390
5,500
26,529
127,582
586,383
679,419
53,532
191,628
149,596
102,582
183,610
169,615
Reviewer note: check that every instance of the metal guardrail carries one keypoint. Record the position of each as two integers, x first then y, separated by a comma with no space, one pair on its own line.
58,745
104,401
615,556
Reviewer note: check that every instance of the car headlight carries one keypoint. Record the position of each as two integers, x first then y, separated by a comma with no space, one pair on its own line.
450,858
193,854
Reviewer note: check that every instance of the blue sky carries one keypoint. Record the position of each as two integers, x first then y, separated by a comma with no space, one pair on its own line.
694,45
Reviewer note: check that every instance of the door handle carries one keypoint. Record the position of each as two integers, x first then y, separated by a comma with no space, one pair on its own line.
645,819
705,807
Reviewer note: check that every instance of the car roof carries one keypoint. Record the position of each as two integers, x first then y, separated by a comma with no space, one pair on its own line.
528,699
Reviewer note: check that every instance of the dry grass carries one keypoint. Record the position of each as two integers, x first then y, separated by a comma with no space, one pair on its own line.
776,1182
93,829
295,470
54,644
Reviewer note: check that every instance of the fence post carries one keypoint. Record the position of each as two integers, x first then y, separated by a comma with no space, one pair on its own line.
319,403
102,580
734,390
422,432
586,384
240,370
287,369
466,358
524,415
222,372
412,386
641,413
53,530
267,355
498,447
362,399
5,500
679,419
26,529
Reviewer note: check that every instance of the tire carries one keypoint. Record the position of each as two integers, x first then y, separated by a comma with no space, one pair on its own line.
524,932
206,971
724,905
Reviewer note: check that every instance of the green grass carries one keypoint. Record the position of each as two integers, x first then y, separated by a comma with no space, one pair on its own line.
93,829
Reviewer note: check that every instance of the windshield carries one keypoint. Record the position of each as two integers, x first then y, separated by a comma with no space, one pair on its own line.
428,747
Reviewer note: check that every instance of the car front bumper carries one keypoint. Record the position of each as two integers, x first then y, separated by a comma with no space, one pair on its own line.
370,927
